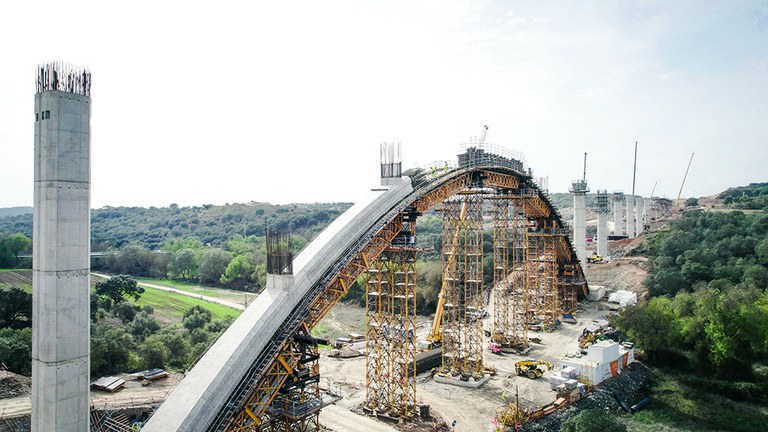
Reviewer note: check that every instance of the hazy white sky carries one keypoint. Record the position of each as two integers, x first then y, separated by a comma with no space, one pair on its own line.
214,102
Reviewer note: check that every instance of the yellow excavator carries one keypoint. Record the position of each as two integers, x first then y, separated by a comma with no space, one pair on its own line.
531,368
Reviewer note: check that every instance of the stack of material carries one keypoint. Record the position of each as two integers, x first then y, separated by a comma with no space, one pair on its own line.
151,374
110,384
623,298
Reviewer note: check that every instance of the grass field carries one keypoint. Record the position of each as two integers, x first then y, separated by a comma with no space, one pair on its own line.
222,293
172,306
676,407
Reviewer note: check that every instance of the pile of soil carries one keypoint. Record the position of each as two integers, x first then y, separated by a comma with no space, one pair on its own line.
13,385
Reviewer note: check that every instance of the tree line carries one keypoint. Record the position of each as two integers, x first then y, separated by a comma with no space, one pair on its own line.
708,307
115,227
124,336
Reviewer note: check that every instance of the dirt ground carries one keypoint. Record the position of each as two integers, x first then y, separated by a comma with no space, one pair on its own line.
132,395
472,409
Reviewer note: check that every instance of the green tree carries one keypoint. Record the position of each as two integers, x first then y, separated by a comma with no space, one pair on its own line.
183,263
592,420
16,349
125,311
143,326
196,317
15,308
119,287
213,264
17,243
153,352
239,270
179,348
110,349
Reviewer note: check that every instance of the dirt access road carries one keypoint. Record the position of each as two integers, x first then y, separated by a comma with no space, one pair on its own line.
228,303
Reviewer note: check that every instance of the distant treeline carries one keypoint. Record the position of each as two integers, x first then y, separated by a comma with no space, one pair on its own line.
115,227
752,197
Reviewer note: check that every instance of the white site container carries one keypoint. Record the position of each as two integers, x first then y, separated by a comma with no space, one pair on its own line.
604,351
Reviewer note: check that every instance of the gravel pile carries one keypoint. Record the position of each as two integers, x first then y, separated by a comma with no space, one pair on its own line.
632,385
13,385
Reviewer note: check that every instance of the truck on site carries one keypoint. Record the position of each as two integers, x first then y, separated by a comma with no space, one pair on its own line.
532,368
594,258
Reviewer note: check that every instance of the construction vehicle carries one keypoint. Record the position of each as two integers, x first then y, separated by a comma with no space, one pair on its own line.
495,347
531,368
594,258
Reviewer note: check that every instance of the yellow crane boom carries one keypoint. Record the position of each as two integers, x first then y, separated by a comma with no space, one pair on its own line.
436,336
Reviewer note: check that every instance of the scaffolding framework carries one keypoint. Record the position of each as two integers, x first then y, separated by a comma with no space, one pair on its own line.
391,326
542,275
502,301
463,281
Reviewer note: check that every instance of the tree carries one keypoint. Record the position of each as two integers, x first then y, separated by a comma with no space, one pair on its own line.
593,420
16,349
143,326
178,348
196,317
15,308
183,263
239,270
17,243
119,287
213,264
692,202
110,349
154,353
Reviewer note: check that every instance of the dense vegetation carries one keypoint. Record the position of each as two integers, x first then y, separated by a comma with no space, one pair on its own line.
115,227
11,246
124,336
752,197
708,309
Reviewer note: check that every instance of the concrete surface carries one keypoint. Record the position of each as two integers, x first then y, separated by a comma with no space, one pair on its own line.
61,264
602,235
630,216
618,215
199,397
341,419
580,227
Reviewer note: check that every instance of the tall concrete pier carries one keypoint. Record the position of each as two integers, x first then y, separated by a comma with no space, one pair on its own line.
579,190
631,216
618,213
61,244
640,215
603,209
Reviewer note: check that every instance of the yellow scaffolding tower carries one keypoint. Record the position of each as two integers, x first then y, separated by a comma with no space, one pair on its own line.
463,282
391,325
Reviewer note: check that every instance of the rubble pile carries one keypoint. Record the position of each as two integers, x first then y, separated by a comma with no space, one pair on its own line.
13,385
631,385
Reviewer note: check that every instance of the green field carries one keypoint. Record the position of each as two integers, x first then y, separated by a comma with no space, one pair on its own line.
222,293
172,306
677,407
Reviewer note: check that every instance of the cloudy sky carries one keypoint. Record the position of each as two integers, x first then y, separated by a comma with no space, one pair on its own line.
220,102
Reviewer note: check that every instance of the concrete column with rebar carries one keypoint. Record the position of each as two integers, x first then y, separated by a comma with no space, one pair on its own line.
603,209
579,190
61,251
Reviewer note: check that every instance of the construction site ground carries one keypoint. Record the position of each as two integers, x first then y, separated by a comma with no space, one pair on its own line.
472,409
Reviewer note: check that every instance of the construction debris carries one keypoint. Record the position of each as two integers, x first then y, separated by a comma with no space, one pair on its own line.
110,384
150,374
13,385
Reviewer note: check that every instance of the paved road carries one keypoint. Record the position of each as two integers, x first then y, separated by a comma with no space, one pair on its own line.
343,420
234,305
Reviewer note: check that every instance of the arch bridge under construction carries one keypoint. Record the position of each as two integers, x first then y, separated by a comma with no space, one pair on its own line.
263,372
